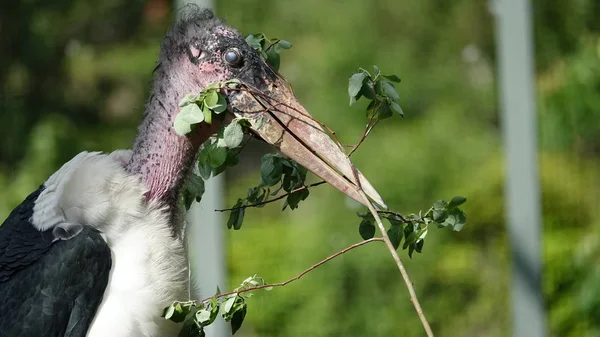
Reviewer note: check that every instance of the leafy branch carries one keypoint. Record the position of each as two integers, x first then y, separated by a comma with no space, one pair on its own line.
279,173
199,314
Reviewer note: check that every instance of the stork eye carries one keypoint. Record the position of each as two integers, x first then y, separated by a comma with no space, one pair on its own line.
233,57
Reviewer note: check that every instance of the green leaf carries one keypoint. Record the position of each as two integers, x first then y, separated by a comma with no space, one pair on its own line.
236,216
283,44
194,189
233,134
376,71
439,215
355,83
384,111
411,249
190,329
367,90
211,99
273,58
395,234
392,78
203,316
456,219
440,204
188,99
191,114
254,40
207,114
419,245
228,304
396,107
457,201
188,115
182,127
217,156
238,318
410,240
270,170
390,90
294,199
177,311
366,229
220,106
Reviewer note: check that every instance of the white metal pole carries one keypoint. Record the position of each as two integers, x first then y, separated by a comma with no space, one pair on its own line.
522,190
205,234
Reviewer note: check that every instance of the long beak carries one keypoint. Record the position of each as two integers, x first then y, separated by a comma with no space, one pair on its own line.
278,118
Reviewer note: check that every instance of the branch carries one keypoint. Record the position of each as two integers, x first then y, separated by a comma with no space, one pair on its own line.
368,128
297,277
272,200
390,246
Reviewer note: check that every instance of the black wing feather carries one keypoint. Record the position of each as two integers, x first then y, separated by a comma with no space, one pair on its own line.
49,288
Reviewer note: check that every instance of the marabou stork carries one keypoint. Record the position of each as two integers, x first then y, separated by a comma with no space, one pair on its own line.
98,250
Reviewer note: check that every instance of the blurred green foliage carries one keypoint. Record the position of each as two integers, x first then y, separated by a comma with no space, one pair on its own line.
75,74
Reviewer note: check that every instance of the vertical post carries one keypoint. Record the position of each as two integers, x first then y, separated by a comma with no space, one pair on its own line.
522,190
205,234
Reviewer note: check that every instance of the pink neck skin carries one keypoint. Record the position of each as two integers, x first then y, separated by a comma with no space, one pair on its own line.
161,156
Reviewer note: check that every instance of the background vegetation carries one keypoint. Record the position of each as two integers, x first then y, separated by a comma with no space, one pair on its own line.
75,74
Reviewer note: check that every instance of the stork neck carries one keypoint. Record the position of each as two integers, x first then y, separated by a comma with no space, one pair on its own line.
160,156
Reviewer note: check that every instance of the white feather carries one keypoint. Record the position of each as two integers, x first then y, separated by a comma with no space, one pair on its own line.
149,263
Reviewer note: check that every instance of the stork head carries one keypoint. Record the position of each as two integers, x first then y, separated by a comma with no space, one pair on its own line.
205,51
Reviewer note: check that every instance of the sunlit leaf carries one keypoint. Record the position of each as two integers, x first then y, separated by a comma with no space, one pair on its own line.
355,83
233,134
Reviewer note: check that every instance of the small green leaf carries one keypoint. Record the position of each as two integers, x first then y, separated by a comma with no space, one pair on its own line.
236,216
211,99
238,318
396,107
392,78
390,90
207,114
254,40
384,111
439,215
456,219
228,304
217,156
411,249
191,114
273,58
440,204
457,201
182,127
203,316
355,83
220,106
395,234
233,134
376,71
367,90
190,329
188,99
294,199
270,170
419,245
283,44
366,229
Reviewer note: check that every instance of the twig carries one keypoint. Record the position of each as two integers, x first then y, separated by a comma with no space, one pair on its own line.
297,277
390,246
368,129
272,200
402,218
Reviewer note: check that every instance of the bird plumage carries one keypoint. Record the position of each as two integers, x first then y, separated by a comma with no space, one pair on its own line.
149,265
